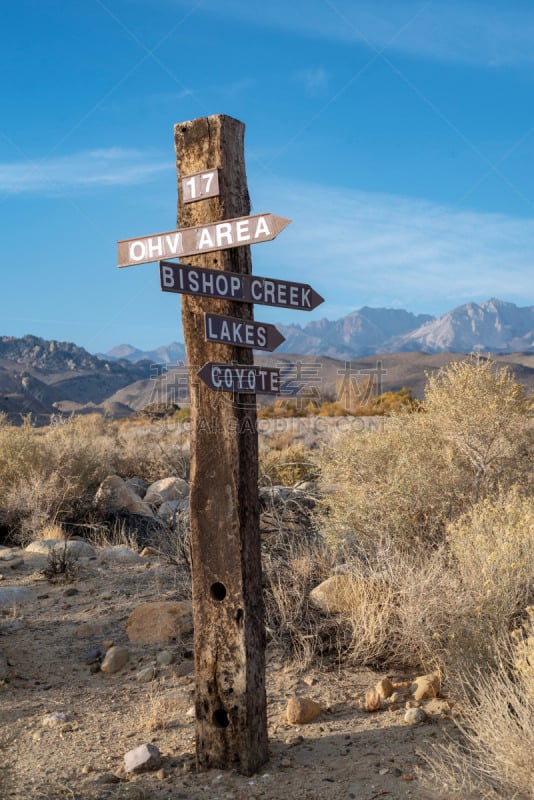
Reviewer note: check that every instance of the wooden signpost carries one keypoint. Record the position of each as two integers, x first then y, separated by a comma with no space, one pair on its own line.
218,291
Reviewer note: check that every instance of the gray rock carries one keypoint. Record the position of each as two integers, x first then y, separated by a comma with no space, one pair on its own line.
120,553
142,758
115,659
137,485
94,655
165,490
414,715
164,658
167,511
75,547
11,596
146,674
114,495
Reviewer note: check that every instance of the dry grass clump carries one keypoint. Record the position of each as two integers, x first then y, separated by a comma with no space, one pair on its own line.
47,476
52,531
492,550
292,566
158,712
450,607
152,451
494,756
524,651
287,466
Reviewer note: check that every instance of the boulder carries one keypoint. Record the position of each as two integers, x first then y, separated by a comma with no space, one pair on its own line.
137,485
162,621
115,495
76,548
301,710
341,593
165,490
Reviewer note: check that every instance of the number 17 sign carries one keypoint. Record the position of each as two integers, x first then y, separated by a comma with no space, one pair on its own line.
200,185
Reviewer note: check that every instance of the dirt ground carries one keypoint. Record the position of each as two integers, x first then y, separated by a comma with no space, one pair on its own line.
345,753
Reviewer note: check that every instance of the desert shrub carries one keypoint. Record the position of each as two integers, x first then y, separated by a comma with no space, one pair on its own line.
480,412
405,482
286,467
393,484
492,549
399,607
494,756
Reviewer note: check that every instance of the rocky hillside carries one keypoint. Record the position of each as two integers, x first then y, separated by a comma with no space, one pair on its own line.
37,375
52,356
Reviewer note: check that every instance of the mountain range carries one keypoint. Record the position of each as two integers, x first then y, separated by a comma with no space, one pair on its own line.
43,378
493,326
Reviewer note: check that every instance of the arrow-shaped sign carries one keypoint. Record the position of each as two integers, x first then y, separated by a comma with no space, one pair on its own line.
185,279
200,239
242,332
246,379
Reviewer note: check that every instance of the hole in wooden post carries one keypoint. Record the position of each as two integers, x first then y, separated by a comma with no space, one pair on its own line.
239,616
218,591
220,718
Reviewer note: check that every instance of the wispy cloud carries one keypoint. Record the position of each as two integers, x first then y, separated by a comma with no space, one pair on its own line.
377,249
114,166
472,32
314,80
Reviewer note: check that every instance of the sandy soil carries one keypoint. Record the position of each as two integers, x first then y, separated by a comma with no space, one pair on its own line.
345,753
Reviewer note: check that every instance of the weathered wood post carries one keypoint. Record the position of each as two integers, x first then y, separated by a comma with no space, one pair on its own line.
230,701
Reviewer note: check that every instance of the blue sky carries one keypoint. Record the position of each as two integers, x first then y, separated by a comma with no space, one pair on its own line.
398,137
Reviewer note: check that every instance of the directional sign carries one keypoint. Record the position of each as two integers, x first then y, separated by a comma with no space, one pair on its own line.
200,239
244,379
185,279
241,332
200,185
